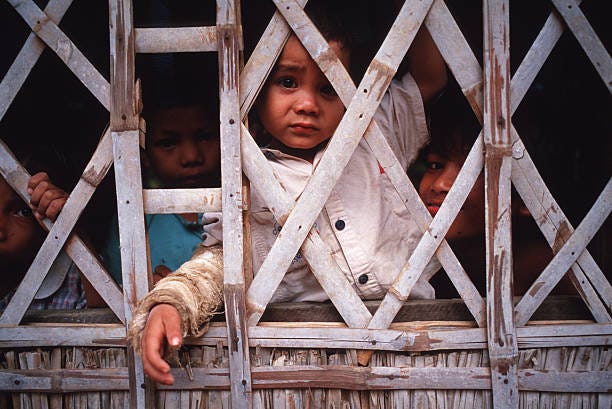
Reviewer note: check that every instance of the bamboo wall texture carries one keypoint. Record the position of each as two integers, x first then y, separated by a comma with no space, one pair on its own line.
498,358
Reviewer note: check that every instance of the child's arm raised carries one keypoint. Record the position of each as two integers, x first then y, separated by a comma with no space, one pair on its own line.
426,65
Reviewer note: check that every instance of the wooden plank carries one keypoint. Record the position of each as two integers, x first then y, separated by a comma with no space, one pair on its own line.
411,337
27,57
176,39
586,36
168,201
124,98
63,335
324,376
566,256
55,39
18,178
554,308
228,46
501,332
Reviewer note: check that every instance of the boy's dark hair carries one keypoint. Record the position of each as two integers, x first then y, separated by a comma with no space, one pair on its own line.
330,18
452,124
179,80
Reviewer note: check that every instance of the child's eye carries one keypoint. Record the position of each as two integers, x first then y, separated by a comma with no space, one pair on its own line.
329,90
287,82
165,143
25,212
433,165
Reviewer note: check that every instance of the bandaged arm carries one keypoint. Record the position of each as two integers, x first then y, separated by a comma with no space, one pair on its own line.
195,290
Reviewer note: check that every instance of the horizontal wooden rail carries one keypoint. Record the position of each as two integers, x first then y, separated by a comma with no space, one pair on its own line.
323,376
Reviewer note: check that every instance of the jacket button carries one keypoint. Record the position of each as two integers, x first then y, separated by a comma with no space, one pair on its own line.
363,279
340,224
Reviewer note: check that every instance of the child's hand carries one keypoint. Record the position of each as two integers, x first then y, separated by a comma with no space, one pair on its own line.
46,199
163,326
160,271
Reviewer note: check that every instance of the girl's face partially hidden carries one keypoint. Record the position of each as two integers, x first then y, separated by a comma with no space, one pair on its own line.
441,172
20,234
298,105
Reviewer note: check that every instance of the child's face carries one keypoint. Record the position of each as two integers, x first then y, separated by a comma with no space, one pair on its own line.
20,234
441,172
298,106
183,149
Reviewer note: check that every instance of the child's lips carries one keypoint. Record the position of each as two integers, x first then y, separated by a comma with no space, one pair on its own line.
433,209
303,128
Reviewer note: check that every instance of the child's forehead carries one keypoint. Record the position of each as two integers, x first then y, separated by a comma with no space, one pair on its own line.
295,54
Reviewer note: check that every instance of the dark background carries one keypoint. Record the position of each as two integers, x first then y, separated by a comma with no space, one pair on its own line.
54,112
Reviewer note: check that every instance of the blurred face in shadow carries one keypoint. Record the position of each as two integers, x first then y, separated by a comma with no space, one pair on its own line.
183,149
20,236
441,171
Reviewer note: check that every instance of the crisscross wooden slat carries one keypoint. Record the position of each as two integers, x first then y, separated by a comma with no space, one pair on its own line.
529,183
65,49
28,56
586,36
565,257
314,249
384,155
58,234
346,137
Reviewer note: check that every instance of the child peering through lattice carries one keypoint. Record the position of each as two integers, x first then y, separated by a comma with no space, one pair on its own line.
21,237
365,224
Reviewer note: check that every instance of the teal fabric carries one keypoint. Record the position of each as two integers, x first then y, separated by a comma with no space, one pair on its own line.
172,241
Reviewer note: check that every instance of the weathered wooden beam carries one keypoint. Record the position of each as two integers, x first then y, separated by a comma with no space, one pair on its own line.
167,201
501,332
98,335
124,124
175,39
228,46
323,376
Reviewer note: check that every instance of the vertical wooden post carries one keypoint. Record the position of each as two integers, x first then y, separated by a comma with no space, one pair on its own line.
501,333
228,37
124,118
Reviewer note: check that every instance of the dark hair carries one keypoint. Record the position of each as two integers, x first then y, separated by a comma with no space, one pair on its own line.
330,18
452,124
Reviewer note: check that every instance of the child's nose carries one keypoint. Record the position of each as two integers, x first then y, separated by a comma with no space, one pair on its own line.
190,154
306,103
445,179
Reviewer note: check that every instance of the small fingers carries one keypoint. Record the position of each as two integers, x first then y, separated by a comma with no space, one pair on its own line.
162,326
